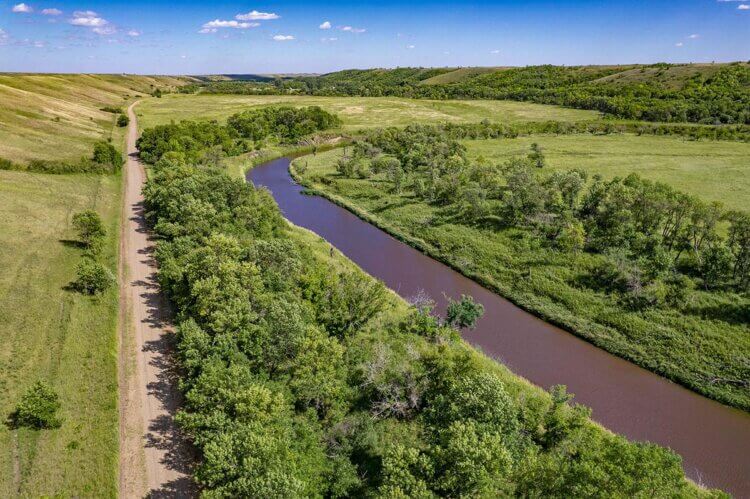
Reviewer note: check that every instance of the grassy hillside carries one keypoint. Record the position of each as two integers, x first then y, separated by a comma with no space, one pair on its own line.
59,116
50,333
714,171
356,113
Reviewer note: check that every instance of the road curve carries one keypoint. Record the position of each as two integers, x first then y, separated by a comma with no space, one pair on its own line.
155,460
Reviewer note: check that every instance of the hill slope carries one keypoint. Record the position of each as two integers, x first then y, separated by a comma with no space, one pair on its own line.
59,116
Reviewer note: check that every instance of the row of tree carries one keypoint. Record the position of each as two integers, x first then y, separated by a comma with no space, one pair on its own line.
204,141
654,239
653,94
292,389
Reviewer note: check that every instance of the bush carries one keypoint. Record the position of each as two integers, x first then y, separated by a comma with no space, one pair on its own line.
112,109
38,408
93,277
90,228
123,120
106,154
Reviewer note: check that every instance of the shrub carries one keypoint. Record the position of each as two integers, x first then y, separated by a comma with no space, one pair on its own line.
123,120
93,277
89,226
38,408
106,154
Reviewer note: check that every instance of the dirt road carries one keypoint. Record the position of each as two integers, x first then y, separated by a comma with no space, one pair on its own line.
154,460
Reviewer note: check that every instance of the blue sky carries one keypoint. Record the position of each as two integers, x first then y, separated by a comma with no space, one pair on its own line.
226,36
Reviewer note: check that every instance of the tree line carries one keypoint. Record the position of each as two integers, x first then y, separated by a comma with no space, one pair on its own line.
657,242
300,379
720,97
206,142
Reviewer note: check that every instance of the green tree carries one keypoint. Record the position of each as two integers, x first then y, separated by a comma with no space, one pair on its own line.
464,313
536,156
123,120
92,277
89,226
37,408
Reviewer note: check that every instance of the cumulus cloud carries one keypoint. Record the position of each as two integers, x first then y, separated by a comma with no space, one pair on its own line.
410,47
494,51
51,12
694,36
22,8
283,38
352,29
743,6
678,44
134,32
329,39
325,25
88,19
257,16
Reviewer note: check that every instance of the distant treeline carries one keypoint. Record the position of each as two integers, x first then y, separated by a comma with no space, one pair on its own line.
105,159
208,141
717,97
303,380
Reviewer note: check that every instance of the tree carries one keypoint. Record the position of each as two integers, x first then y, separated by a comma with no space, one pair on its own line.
464,313
38,408
93,277
106,154
89,226
536,156
123,120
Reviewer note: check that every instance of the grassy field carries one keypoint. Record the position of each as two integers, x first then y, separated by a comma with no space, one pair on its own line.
356,112
60,336
707,339
714,171
58,116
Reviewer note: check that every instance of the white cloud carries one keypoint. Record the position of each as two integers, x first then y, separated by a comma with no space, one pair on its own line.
329,39
257,16
218,23
494,51
38,44
694,36
204,31
183,56
22,8
743,6
4,37
352,30
325,25
134,32
51,12
283,38
90,19
678,44
87,18
410,47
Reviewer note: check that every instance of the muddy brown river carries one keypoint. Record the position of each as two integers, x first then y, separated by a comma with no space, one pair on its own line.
713,439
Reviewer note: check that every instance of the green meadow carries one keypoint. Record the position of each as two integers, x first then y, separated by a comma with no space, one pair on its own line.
712,170
60,336
356,112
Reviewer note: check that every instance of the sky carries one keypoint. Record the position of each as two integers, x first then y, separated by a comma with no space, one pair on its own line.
227,36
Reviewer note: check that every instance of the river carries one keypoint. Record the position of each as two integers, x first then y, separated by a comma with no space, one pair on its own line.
713,439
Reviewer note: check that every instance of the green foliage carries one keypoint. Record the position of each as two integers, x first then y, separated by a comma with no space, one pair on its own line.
92,277
123,120
464,313
90,228
37,408
622,262
300,379
287,124
112,109
106,154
